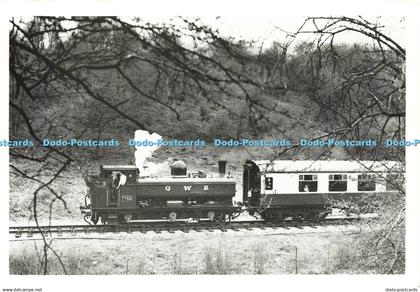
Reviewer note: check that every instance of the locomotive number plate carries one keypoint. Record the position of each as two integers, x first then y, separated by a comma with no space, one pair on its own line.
125,198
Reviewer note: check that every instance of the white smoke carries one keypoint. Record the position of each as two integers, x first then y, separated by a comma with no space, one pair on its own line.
144,152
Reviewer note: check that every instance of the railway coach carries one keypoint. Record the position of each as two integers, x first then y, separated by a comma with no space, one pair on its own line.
310,189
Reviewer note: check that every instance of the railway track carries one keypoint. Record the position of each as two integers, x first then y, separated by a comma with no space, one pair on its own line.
171,227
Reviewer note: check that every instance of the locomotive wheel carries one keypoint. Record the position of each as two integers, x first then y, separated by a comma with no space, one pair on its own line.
127,218
112,221
221,217
172,216
211,215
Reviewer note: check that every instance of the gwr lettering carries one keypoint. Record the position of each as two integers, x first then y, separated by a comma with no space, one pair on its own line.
188,188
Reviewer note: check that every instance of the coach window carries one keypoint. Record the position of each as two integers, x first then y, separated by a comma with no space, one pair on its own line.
394,182
337,182
308,183
268,183
366,182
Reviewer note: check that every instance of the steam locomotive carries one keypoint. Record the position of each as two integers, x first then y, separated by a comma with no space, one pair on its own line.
119,195
276,190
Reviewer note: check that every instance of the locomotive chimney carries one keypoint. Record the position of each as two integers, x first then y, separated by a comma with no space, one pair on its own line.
222,168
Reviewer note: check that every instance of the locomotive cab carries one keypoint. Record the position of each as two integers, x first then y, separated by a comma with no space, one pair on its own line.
130,171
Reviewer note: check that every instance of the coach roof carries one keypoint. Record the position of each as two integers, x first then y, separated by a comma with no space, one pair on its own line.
268,166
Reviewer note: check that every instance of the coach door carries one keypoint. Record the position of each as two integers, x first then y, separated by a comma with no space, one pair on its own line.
251,184
246,184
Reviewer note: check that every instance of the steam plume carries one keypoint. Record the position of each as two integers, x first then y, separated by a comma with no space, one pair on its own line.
144,152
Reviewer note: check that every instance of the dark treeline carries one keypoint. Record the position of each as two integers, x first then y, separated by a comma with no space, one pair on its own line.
101,78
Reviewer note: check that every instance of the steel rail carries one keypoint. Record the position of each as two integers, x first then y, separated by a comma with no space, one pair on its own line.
171,227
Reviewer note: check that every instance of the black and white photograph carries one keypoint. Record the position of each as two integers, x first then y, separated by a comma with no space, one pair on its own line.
151,145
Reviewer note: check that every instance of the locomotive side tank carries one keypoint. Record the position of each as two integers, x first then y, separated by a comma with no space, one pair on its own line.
309,189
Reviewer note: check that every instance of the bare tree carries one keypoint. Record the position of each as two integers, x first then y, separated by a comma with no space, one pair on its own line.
362,87
59,63
137,72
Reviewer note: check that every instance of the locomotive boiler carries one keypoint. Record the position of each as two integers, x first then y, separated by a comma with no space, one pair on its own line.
119,195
